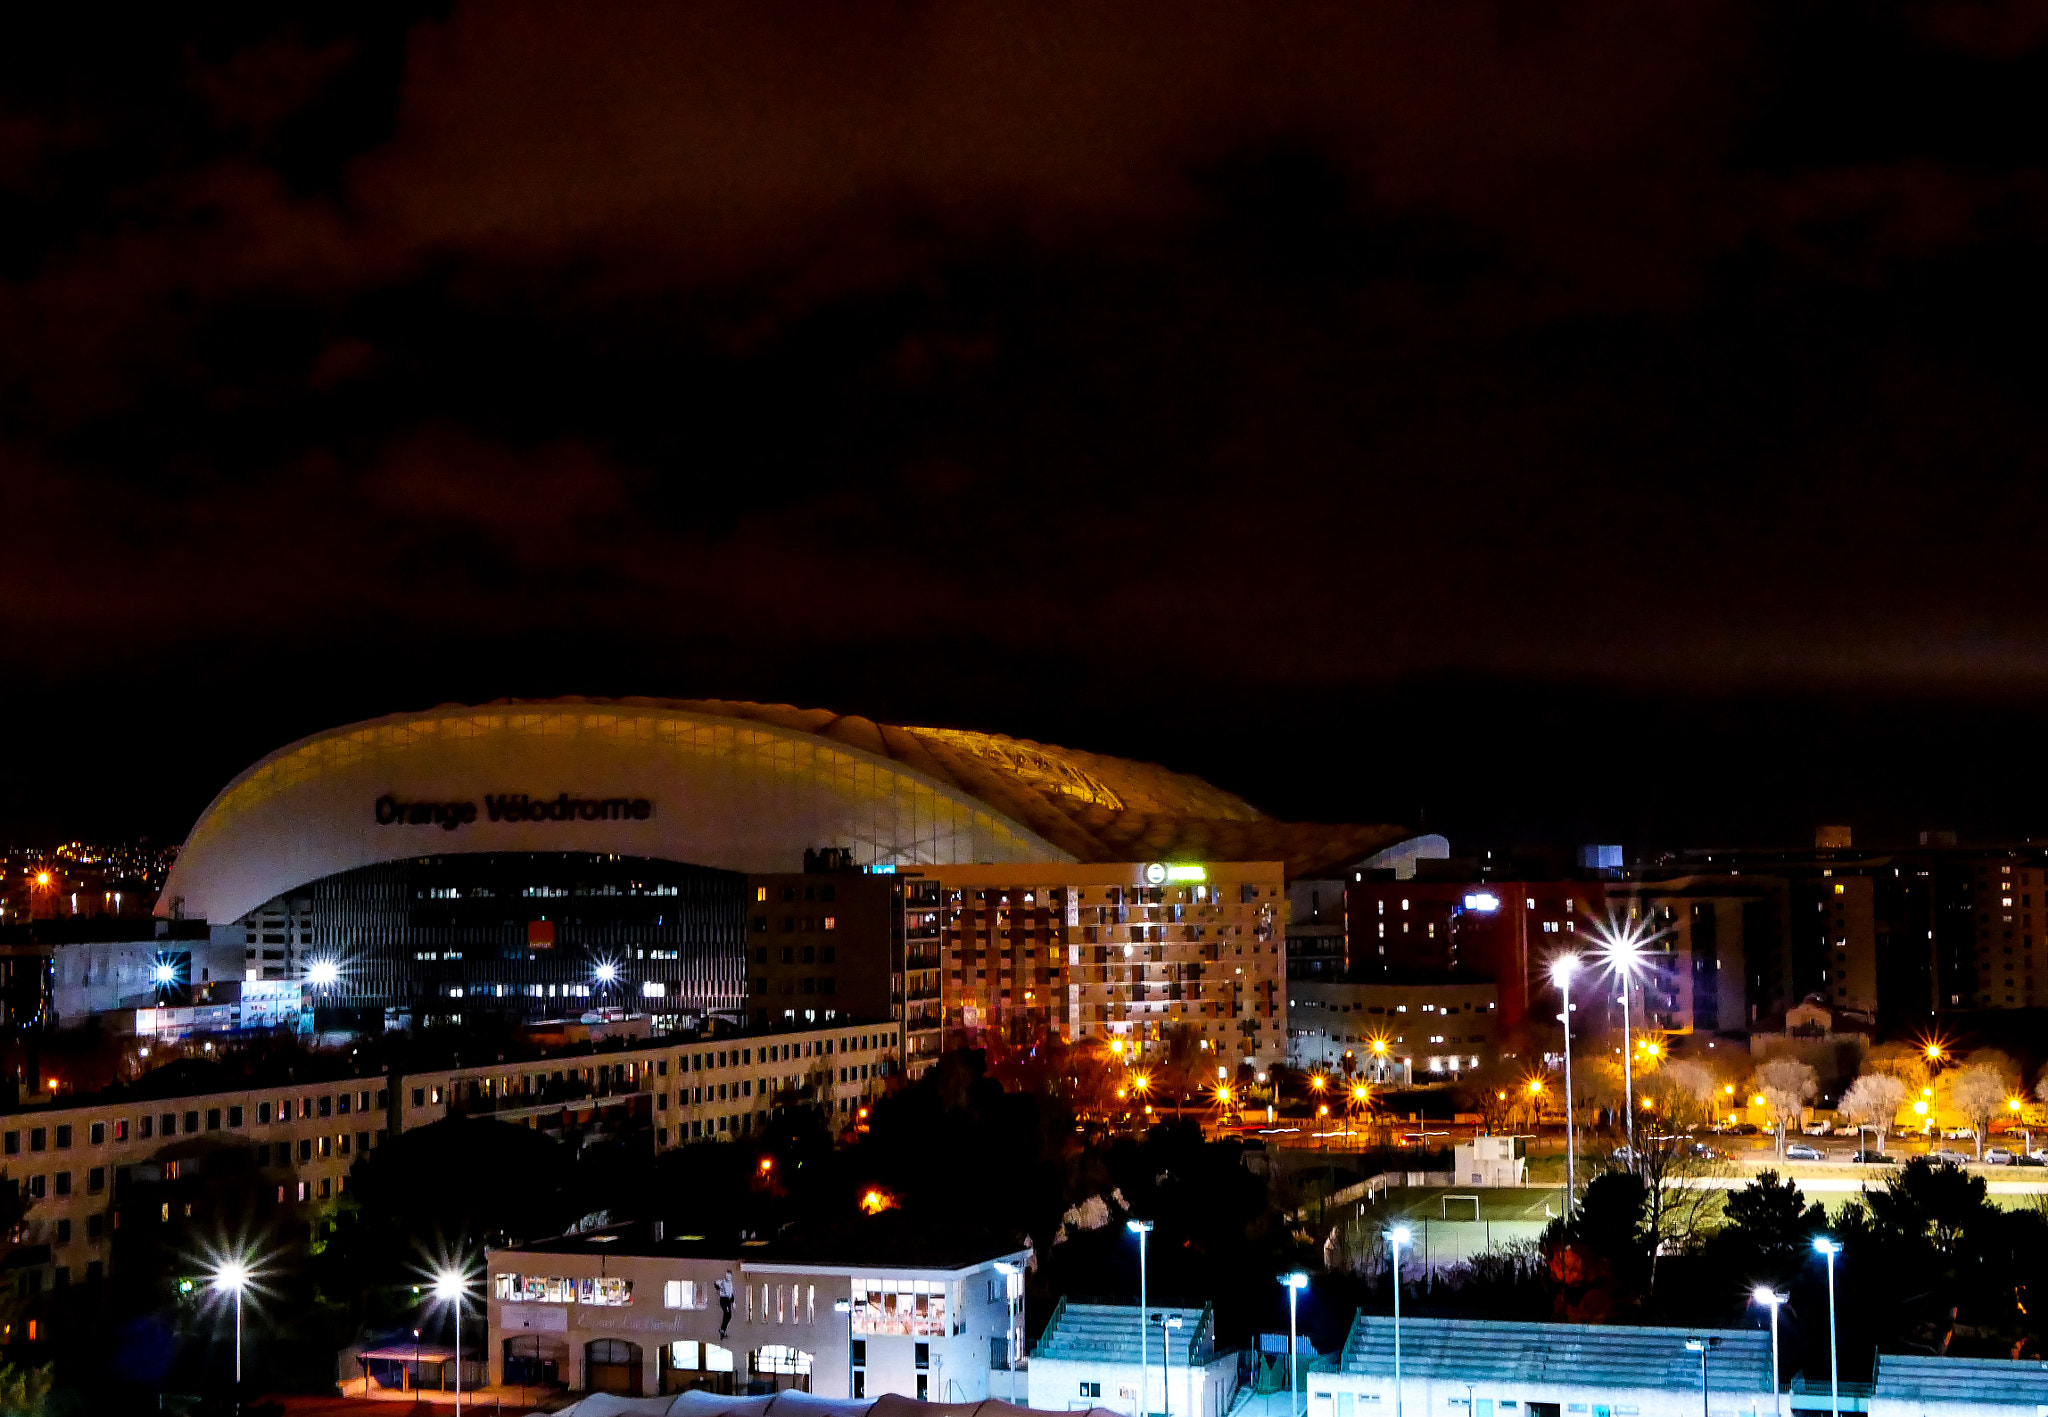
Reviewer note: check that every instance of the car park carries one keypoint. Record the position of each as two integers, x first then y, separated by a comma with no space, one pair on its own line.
1818,1129
1800,1151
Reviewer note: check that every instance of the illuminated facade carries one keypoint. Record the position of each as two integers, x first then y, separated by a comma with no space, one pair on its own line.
543,857
1131,951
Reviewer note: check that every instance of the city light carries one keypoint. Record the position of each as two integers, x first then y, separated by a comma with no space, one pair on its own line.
322,972
1317,1081
164,972
1563,968
606,972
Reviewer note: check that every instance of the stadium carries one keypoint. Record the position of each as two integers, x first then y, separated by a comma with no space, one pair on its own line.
517,855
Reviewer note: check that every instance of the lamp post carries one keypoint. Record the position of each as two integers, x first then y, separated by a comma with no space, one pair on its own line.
1165,1322
1396,1238
1831,1248
1702,1346
1140,1228
232,1278
1764,1294
450,1286
845,1306
1561,971
1624,956
1295,1282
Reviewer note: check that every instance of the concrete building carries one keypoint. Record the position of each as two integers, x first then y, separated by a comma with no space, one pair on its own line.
1089,1356
1118,951
1922,1385
1491,1368
631,1310
82,1160
1428,1028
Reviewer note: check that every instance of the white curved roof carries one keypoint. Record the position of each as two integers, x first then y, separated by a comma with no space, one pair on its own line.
722,791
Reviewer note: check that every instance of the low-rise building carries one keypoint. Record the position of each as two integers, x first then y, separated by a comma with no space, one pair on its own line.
1424,1029
631,1310
1090,1356
79,1159
1494,1368
1924,1385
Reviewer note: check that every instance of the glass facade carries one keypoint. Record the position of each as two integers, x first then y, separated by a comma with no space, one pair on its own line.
531,934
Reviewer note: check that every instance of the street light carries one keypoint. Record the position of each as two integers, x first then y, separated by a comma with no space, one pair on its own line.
232,1278
1831,1248
1396,1238
1702,1346
1140,1228
1764,1294
1561,971
1295,1282
1623,947
451,1286
1165,1322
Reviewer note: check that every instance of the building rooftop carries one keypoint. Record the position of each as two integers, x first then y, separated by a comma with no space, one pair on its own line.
1108,1333
870,1242
1459,1350
1918,1377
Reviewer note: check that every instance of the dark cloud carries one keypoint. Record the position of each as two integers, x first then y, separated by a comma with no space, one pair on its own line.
1165,378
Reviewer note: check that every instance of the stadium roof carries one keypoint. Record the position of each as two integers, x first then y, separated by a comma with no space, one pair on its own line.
1596,1355
1921,1377
737,786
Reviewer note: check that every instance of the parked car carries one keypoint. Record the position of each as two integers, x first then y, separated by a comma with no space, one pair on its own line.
1818,1129
1997,1156
1877,1158
1953,1158
1957,1134
1800,1151
2040,1154
1743,1129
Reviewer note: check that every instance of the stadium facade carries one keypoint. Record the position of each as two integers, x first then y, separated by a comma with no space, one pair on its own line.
534,858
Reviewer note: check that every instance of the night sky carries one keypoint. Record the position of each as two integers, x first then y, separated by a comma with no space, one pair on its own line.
1565,422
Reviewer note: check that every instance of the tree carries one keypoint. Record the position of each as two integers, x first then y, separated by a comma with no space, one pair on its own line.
1874,1100
1599,1255
1787,1086
1978,1092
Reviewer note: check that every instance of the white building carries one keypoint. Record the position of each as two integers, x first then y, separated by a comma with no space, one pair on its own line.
631,1311
1489,1368
1088,1356
1921,1385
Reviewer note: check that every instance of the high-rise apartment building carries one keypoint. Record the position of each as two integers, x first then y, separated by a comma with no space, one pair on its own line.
1133,952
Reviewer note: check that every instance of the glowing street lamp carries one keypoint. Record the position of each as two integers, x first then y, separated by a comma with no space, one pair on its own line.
232,1277
1764,1294
1295,1282
1140,1228
1561,971
323,974
1622,946
451,1286
1831,1248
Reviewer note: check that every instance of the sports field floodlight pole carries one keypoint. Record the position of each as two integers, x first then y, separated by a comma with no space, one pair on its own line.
1141,1228
1831,1248
1561,971
1764,1294
1295,1282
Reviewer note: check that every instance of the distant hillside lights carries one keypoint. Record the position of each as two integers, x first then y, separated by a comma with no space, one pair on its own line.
512,807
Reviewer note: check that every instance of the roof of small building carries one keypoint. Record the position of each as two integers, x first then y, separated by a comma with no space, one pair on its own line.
1923,1377
1604,1355
884,1241
1108,1333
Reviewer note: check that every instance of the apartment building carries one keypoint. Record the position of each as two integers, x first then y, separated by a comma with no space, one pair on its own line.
1423,1029
1131,951
80,1161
